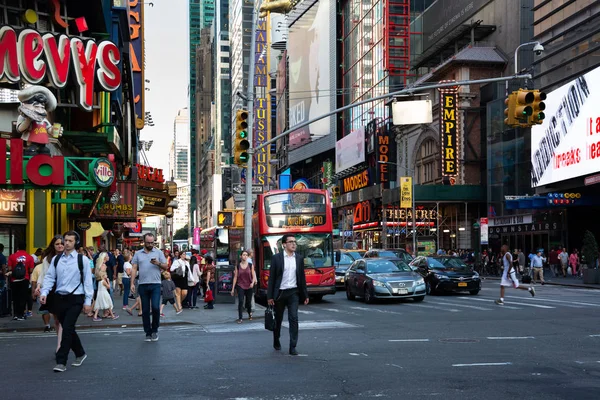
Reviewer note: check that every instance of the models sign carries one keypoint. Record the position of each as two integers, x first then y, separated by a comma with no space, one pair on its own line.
30,57
567,144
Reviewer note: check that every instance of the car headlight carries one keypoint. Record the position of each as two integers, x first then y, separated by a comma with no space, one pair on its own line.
441,277
420,282
378,283
475,275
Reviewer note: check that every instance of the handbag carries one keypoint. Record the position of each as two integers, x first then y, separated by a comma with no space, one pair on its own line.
208,296
190,278
179,270
270,318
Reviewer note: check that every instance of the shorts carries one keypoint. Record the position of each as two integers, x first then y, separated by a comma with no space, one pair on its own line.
511,281
165,301
42,310
120,278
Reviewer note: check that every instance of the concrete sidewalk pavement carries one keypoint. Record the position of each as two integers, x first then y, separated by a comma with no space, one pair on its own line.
222,313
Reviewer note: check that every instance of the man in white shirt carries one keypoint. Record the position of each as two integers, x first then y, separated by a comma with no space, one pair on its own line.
287,287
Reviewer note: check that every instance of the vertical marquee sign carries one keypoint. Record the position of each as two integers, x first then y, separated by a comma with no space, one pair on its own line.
136,52
449,130
261,103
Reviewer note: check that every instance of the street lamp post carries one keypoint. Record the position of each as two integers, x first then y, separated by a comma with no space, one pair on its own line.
537,49
414,227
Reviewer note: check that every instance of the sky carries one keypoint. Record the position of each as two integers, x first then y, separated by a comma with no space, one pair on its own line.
167,69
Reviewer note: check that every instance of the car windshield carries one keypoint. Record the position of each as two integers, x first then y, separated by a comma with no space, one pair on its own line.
317,249
386,253
346,259
355,254
386,266
447,263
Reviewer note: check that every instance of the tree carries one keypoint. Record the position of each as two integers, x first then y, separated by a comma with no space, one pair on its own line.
589,249
181,233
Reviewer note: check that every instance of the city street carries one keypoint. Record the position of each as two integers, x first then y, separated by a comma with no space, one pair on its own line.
455,346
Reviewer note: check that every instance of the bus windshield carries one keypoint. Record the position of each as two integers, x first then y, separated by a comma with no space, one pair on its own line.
317,249
295,210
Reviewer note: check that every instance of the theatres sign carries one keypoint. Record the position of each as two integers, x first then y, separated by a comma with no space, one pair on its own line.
32,57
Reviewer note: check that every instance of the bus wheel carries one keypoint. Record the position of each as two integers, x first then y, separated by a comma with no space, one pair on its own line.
317,298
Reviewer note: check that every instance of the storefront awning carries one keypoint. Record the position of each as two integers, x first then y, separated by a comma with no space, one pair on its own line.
105,140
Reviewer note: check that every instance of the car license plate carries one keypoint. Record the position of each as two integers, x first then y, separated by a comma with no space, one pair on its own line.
342,280
462,284
402,291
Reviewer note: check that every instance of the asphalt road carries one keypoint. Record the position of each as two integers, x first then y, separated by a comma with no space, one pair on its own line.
455,347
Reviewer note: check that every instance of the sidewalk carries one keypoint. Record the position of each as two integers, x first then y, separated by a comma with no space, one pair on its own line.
558,281
222,313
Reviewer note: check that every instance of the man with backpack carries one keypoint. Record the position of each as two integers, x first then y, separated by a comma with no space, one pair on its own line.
20,266
69,273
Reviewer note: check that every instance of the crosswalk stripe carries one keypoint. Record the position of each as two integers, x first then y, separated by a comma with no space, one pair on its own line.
513,302
460,305
565,303
436,308
322,325
376,310
335,310
488,300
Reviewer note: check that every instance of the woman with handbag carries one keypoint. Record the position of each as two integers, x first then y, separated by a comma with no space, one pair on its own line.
193,282
210,280
56,247
179,271
244,279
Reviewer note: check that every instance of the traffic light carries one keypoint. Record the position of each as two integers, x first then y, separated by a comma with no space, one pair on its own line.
509,111
241,143
538,105
523,108
224,218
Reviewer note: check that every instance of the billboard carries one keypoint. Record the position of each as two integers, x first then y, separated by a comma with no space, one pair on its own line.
350,150
137,54
567,144
281,89
311,49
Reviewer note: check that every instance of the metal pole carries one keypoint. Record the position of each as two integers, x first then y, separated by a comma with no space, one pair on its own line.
388,96
414,210
251,150
517,54
437,216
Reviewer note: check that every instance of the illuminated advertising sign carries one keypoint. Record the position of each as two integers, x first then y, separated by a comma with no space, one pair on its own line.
261,105
386,156
122,205
35,58
355,182
449,131
12,203
312,64
567,144
136,52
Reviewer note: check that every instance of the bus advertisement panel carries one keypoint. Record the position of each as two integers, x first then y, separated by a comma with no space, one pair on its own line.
307,215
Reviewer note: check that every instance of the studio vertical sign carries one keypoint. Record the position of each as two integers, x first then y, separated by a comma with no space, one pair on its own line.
449,132
136,52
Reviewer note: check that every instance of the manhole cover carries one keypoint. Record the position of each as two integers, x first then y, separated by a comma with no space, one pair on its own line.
459,340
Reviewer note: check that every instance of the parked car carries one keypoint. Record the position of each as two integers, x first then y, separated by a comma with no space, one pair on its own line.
383,278
396,253
447,274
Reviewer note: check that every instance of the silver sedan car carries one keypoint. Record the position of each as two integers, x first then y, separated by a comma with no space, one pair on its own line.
383,278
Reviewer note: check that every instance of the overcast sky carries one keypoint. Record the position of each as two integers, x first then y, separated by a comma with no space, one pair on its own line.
167,68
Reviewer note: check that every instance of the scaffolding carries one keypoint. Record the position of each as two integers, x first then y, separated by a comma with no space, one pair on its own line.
397,39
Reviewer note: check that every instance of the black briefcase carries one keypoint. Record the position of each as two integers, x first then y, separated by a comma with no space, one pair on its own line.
270,318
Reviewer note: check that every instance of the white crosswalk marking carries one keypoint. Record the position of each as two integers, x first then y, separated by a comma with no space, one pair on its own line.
376,310
488,300
460,305
435,307
512,302
567,303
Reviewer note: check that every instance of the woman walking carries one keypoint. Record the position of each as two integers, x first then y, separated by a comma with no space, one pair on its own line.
244,279
574,262
210,281
179,272
103,300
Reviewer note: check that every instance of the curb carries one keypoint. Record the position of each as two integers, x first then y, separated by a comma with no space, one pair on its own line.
575,285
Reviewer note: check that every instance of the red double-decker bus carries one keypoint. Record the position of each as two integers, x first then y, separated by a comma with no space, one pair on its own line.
306,214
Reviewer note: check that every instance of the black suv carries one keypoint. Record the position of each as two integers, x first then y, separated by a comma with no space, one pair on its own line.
446,274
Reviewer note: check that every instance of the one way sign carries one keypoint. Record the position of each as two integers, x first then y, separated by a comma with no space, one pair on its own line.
239,189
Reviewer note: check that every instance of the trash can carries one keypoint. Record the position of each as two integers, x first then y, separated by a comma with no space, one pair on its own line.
224,284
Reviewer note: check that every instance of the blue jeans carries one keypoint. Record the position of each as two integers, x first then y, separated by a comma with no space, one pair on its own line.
150,297
126,291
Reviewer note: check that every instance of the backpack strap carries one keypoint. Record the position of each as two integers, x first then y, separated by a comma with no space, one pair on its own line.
80,265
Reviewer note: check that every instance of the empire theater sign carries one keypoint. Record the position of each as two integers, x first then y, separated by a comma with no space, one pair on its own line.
31,57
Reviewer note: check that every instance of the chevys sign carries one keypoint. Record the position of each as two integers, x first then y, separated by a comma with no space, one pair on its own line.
32,57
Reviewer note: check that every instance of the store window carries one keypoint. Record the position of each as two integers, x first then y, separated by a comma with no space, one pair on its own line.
427,162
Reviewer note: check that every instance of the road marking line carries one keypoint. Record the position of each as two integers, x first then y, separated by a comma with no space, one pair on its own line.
566,303
436,308
305,312
335,310
408,340
509,337
461,305
482,364
375,309
594,335
320,325
487,300
394,365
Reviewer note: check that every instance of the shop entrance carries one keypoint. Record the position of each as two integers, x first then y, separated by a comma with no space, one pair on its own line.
527,241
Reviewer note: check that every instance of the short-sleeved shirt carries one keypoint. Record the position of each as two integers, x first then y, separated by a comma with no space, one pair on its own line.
35,275
148,273
21,256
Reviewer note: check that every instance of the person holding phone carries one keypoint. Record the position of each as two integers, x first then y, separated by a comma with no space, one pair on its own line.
150,262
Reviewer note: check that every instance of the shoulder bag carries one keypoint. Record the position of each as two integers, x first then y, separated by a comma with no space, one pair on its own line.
270,318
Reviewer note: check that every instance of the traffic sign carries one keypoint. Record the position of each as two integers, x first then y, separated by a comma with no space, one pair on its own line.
239,189
225,218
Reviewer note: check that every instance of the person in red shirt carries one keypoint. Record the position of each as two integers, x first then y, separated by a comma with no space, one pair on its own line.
20,286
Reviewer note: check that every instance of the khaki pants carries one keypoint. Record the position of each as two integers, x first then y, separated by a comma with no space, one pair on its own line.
538,272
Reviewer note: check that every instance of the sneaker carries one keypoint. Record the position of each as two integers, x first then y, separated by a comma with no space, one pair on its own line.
60,368
499,302
179,312
47,329
124,307
29,314
154,337
20,318
148,338
15,318
532,291
163,315
79,361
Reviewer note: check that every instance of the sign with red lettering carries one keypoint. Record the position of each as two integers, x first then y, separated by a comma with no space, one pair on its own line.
150,174
103,172
386,155
32,57
40,170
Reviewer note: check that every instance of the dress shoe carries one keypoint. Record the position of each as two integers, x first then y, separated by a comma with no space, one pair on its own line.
276,344
293,351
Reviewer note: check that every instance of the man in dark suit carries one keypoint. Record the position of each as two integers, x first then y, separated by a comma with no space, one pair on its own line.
287,287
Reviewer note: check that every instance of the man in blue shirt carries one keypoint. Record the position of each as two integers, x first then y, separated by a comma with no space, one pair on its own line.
150,262
74,291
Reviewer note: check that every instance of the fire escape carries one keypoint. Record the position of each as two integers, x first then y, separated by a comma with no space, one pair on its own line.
397,39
